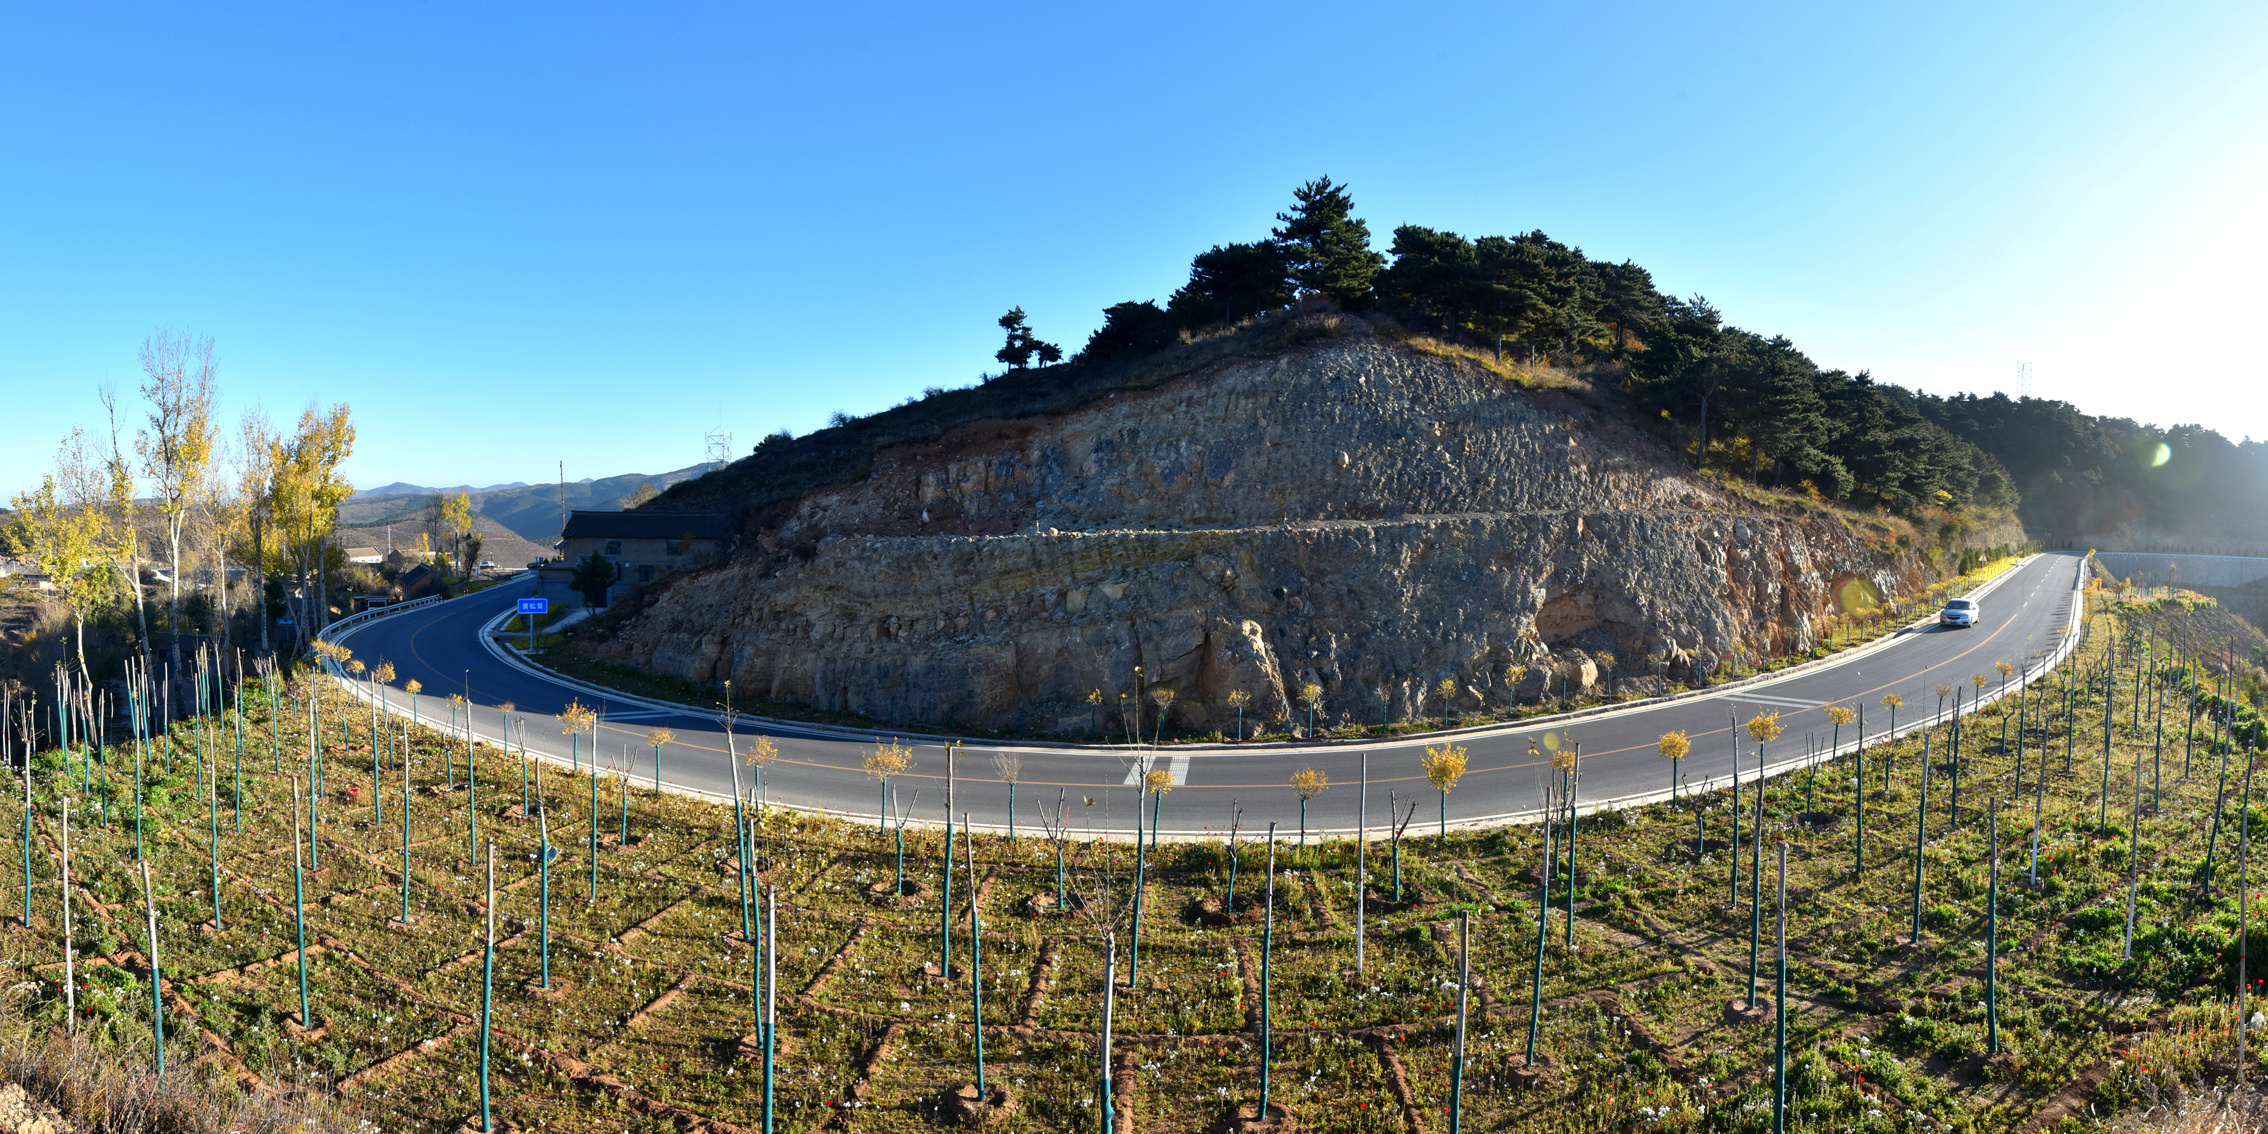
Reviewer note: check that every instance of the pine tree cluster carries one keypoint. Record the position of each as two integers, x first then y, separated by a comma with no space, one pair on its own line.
1735,400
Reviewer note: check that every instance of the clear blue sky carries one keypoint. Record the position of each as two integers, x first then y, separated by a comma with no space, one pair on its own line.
513,235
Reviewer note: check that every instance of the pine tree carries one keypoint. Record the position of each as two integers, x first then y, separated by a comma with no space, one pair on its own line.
1231,282
1022,345
1435,273
1326,246
1628,303
1129,328
591,577
1791,420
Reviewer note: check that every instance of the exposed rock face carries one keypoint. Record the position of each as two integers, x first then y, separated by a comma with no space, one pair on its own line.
1354,515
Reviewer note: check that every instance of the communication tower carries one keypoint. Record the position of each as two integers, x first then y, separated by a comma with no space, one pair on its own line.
2023,380
719,452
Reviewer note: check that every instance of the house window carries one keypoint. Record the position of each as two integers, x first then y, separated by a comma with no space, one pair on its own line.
673,547
613,547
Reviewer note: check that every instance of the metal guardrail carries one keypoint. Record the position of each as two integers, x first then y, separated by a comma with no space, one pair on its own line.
2030,675
358,619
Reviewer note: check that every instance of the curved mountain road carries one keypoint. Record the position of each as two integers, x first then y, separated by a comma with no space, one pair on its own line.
2025,615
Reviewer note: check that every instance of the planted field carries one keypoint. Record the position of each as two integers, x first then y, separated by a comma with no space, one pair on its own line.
2021,1004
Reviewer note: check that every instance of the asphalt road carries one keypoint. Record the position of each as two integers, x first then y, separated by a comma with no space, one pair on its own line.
2022,615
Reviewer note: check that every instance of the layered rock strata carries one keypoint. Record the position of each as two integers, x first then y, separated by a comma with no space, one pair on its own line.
1354,515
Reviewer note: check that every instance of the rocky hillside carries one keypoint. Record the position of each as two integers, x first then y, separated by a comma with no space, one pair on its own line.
1352,511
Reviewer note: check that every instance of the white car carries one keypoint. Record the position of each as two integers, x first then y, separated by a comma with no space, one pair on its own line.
1959,612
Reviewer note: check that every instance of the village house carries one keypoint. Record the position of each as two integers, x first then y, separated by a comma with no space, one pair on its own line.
420,581
642,546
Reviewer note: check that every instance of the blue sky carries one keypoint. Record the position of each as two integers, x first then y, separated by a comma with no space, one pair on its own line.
520,234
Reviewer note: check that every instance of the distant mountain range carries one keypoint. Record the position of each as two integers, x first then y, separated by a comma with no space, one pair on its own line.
531,511
405,488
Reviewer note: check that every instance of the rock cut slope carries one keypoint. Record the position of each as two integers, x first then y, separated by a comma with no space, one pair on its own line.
1352,512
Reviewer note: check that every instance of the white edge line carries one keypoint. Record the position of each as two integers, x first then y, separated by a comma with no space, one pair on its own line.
1735,689
1471,823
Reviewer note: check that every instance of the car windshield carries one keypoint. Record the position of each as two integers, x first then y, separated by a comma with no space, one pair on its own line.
1958,604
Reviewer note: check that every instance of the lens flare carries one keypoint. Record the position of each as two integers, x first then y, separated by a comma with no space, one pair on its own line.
1858,596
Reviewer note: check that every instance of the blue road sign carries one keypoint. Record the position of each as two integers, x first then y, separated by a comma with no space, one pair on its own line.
535,606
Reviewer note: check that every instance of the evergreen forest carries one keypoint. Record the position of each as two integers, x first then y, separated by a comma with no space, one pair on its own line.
1750,403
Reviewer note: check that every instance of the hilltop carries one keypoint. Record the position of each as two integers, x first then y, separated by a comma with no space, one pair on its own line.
1737,402
1323,467
1357,509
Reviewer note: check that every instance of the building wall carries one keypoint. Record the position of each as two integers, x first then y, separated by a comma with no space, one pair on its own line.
551,583
639,560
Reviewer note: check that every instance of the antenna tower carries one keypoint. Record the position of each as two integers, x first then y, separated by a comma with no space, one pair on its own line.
2023,380
719,442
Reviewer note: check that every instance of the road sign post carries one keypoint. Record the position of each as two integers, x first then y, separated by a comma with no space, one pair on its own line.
532,607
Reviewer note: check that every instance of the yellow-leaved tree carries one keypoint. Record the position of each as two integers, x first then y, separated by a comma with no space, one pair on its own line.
887,760
655,738
456,513
1763,727
304,502
760,756
1309,783
1311,695
177,448
64,542
1444,766
1674,745
575,720
256,449
109,478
